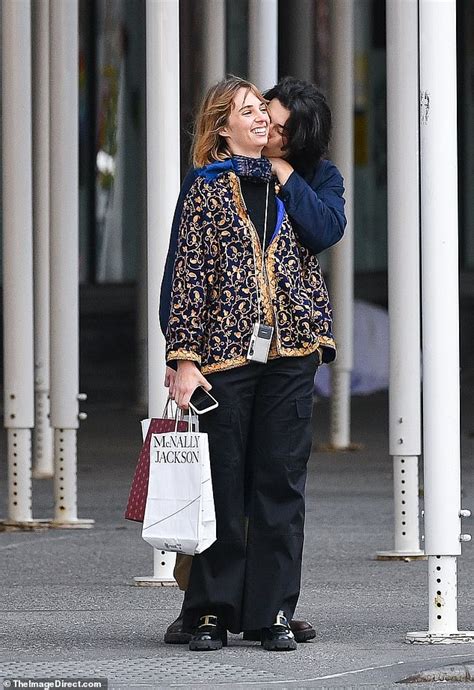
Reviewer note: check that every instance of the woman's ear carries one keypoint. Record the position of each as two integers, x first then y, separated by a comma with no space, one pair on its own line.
224,132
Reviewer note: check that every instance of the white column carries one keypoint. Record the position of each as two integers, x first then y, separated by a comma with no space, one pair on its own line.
163,153
404,273
440,318
43,434
213,42
300,38
142,325
263,43
342,255
64,256
17,254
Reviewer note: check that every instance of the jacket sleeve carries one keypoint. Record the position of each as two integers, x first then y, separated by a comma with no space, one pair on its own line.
317,212
188,306
165,293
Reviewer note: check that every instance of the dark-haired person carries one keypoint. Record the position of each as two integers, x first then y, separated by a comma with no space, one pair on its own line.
311,185
311,188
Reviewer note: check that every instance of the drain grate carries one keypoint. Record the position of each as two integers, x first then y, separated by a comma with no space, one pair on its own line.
175,670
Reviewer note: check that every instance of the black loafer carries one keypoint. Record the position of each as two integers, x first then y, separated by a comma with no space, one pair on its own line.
302,630
208,636
279,636
176,632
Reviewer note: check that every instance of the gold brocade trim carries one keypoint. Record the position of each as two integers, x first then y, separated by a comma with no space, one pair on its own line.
275,349
239,202
273,352
309,349
285,352
327,342
263,288
225,364
183,354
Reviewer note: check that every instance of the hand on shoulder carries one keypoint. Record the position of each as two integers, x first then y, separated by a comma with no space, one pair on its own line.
281,168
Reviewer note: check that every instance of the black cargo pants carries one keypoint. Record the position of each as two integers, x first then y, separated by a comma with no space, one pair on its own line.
259,442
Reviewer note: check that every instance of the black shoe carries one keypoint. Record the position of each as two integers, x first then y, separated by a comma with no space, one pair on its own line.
208,636
176,633
302,630
279,636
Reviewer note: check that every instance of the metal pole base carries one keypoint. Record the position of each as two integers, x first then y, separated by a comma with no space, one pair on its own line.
332,448
37,525
457,637
23,525
406,512
152,581
79,523
406,556
163,568
65,477
19,476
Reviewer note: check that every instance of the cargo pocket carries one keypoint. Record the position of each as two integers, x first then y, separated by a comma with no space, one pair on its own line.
223,430
301,433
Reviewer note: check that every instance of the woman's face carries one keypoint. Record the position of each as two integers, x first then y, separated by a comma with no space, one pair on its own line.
246,131
277,138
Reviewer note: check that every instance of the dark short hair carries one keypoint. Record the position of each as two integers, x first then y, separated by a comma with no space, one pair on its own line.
309,124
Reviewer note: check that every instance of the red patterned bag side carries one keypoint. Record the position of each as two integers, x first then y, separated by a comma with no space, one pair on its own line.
139,489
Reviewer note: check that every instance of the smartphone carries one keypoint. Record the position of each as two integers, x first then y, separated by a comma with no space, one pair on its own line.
201,401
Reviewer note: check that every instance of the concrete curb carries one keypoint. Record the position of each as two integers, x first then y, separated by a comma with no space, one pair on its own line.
453,672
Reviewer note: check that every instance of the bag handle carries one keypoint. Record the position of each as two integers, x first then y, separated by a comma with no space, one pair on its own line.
166,412
193,418
193,422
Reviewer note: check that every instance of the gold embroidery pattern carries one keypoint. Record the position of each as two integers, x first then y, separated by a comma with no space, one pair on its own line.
214,296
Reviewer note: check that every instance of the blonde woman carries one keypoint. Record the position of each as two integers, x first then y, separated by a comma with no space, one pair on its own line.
250,318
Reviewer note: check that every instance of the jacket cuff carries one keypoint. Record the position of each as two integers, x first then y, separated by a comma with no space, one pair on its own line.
182,354
292,190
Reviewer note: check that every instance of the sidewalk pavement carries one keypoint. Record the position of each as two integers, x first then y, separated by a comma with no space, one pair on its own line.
69,606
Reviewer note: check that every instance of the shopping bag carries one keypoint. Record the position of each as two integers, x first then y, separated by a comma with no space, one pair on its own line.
138,491
179,513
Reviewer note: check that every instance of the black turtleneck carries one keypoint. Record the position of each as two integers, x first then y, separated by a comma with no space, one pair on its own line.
254,192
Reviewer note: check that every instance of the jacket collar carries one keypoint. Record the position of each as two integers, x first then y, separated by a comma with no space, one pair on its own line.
243,166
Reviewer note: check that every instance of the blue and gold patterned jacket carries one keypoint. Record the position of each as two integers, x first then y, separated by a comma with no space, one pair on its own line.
214,302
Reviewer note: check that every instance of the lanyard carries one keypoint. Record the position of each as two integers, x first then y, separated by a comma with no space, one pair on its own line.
264,268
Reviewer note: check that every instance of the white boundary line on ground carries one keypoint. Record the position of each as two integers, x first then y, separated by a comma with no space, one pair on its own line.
338,675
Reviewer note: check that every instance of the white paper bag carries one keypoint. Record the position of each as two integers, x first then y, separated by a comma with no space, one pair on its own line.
179,514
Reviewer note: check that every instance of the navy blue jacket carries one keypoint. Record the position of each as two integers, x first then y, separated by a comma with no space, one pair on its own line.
314,203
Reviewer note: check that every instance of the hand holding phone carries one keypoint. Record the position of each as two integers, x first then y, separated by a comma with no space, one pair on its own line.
201,401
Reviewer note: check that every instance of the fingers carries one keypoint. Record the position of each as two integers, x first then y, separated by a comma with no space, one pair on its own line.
182,398
183,384
182,391
170,377
172,391
204,383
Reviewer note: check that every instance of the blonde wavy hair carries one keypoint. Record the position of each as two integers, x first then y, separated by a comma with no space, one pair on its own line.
208,144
